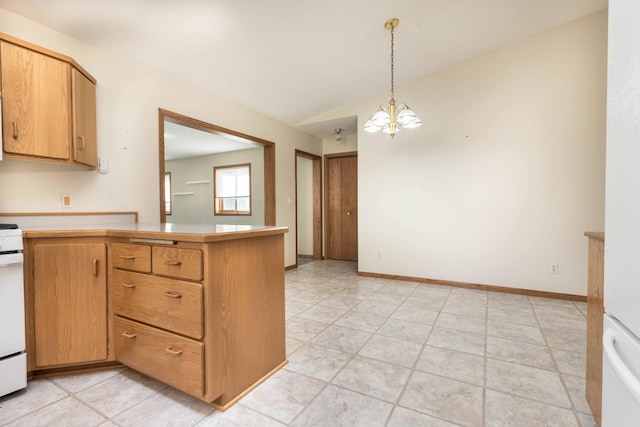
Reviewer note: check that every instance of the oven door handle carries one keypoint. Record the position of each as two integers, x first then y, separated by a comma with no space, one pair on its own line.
9,264
11,259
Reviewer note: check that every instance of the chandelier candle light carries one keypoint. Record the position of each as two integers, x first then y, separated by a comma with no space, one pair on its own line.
388,122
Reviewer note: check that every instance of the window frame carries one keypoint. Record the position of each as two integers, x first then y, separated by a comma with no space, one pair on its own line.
218,201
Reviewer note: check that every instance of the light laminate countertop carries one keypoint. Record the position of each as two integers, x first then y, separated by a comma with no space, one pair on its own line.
182,232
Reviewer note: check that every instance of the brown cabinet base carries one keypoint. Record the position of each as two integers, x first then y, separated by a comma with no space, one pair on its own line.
170,358
241,312
595,319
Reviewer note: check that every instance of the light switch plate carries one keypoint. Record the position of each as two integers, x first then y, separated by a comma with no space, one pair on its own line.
103,165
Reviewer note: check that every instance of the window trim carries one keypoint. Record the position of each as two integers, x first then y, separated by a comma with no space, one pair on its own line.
217,201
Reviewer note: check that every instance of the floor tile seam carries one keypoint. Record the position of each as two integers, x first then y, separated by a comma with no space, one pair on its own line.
415,364
164,387
71,396
457,330
39,408
53,380
91,407
535,326
345,387
297,414
566,390
444,310
430,414
562,316
521,341
555,369
580,309
527,397
464,303
505,307
372,333
250,409
573,331
435,374
357,392
554,347
327,384
307,302
315,335
513,323
526,366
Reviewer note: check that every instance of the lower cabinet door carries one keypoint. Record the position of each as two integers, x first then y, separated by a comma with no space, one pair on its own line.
170,358
69,303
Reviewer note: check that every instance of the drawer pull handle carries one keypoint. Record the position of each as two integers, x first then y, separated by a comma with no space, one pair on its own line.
14,128
128,335
173,263
81,145
96,270
173,352
172,295
127,257
127,285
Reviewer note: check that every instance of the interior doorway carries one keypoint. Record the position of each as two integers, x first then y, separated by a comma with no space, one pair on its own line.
308,175
268,161
341,215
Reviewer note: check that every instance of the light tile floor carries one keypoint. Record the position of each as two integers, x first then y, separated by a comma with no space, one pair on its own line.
365,352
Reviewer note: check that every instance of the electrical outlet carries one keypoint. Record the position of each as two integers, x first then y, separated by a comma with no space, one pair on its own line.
555,268
379,255
65,201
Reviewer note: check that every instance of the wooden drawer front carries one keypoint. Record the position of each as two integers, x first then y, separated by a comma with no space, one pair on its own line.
131,257
169,358
178,262
167,303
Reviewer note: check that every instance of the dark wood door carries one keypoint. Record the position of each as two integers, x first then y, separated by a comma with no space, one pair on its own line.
342,188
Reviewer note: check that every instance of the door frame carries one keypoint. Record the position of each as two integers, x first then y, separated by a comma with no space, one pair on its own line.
317,201
327,191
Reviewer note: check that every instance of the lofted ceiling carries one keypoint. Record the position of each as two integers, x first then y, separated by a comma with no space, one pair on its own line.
182,142
293,60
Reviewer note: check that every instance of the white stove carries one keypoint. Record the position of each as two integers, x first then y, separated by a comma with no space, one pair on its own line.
13,359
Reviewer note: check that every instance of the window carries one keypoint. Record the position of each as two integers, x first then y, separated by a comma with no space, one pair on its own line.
167,193
232,189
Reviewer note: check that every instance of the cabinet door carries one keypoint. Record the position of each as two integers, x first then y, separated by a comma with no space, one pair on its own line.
85,146
36,103
70,296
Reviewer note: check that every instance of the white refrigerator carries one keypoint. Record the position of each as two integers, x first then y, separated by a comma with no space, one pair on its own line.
621,341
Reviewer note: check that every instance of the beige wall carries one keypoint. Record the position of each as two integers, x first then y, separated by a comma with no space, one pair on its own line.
198,208
128,97
504,176
349,143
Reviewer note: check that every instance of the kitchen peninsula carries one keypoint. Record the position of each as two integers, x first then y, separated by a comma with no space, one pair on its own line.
198,307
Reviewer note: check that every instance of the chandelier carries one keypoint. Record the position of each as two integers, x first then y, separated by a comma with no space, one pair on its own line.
385,120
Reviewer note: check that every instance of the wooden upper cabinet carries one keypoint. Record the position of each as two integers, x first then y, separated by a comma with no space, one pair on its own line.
36,105
85,145
48,105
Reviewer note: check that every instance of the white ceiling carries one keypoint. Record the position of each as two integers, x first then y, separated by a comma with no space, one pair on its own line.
295,59
182,142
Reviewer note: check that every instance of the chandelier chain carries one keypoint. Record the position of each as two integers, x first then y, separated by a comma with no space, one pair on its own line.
392,28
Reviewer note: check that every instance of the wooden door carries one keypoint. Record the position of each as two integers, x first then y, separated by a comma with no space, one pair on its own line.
85,144
36,103
342,211
70,303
